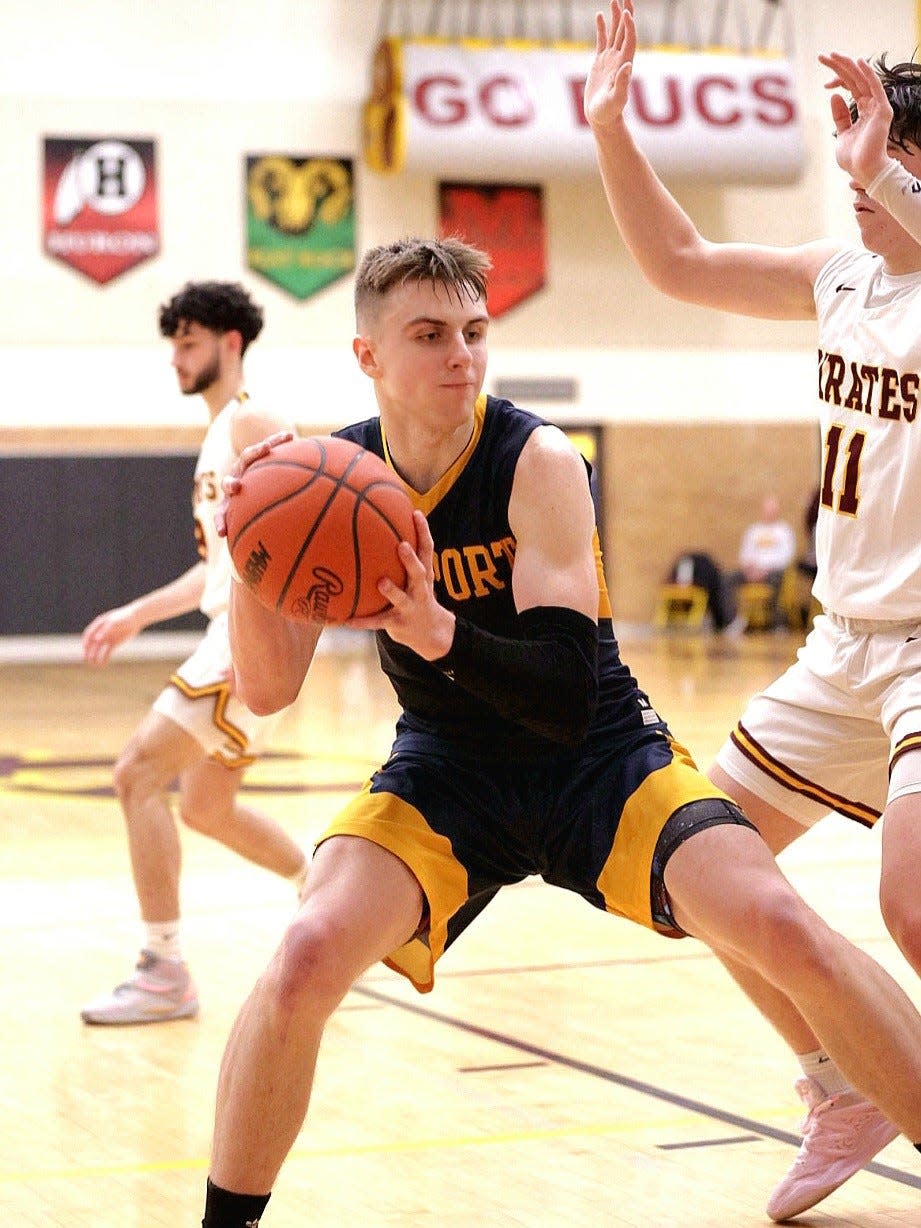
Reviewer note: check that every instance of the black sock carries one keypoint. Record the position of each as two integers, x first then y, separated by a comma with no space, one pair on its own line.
226,1210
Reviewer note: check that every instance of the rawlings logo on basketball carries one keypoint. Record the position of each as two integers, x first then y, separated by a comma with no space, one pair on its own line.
315,602
255,566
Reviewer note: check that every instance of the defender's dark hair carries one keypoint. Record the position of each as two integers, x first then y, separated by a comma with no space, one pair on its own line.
444,262
219,305
902,83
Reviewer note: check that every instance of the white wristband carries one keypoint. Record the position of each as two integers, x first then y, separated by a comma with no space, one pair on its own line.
899,192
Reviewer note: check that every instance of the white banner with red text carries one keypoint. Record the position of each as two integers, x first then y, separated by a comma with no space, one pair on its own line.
498,111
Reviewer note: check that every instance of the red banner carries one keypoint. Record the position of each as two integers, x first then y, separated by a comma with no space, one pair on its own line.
100,204
506,221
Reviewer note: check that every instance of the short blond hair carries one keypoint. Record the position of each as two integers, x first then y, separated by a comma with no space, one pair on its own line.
448,262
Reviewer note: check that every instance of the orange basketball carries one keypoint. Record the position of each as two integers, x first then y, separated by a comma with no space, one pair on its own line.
315,525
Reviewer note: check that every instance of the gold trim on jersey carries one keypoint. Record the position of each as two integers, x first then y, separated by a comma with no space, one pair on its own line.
428,500
393,824
756,754
605,609
625,877
222,693
425,501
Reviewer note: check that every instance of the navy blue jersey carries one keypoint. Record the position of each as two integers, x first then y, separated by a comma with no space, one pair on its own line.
467,514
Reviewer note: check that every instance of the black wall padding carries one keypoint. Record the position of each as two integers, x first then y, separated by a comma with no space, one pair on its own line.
81,534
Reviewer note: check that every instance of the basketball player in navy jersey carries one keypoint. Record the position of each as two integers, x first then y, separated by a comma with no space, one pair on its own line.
524,745
197,730
841,729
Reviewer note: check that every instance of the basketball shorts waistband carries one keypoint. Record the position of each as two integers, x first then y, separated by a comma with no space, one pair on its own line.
871,626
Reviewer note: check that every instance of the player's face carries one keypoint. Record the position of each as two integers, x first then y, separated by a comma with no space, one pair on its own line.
879,230
197,357
429,349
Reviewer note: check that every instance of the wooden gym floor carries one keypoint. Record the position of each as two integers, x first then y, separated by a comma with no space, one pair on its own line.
569,1069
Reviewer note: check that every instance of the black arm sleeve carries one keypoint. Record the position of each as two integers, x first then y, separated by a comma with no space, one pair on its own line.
547,680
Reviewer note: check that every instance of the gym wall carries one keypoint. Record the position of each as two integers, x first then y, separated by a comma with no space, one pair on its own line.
85,374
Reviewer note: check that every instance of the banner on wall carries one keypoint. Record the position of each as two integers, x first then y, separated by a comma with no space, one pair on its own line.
300,220
505,110
507,221
100,204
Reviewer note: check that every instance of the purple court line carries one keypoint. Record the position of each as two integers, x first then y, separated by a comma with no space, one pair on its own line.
746,1124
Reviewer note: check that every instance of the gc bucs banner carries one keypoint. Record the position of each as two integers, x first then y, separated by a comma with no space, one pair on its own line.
503,111
100,204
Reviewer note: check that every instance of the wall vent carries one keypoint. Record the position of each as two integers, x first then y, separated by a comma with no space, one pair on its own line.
537,388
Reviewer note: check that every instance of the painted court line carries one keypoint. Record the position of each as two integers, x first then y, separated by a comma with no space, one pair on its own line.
746,1124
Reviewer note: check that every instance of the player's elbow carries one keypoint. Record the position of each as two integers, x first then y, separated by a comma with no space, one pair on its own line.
261,705
264,696
670,282
680,271
583,706
574,707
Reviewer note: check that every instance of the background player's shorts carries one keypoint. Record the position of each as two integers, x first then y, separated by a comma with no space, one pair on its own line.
589,822
199,699
826,734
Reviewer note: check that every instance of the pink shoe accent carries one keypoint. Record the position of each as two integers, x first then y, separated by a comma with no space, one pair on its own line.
841,1134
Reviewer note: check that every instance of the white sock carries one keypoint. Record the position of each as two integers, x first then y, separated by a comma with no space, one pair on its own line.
163,939
819,1067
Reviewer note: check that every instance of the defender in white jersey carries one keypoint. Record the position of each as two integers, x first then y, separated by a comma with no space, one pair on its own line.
197,730
841,729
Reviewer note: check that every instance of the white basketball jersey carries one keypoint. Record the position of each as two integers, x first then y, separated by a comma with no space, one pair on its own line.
216,458
868,536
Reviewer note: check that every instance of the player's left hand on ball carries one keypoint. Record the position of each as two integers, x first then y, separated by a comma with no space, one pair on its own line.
414,617
230,483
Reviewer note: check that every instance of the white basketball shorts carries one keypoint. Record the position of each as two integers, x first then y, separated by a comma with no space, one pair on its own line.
836,731
199,697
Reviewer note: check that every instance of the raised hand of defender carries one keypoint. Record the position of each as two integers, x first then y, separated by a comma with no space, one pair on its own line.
608,81
861,145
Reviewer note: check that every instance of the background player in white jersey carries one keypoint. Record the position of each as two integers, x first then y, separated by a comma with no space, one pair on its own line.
841,729
197,731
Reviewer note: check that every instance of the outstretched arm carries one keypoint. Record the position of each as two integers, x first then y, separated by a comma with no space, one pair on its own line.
114,627
774,283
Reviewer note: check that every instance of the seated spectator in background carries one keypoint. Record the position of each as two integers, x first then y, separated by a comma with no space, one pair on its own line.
767,550
703,570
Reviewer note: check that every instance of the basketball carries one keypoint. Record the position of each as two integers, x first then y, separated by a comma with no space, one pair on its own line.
315,526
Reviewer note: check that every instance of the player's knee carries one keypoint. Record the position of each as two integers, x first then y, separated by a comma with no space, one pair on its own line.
902,914
794,946
201,815
133,776
311,973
